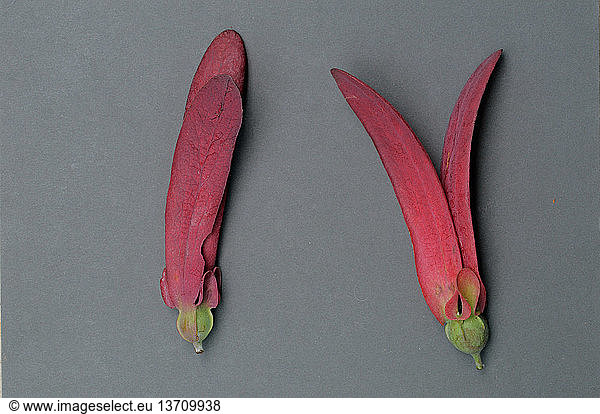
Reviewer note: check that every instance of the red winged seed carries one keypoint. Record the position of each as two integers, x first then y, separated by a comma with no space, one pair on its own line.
225,55
440,228
198,177
196,196
455,164
417,188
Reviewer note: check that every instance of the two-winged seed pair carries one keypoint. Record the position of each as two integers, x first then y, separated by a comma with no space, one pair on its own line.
437,213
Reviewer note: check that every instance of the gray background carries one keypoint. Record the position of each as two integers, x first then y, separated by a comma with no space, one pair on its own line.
320,294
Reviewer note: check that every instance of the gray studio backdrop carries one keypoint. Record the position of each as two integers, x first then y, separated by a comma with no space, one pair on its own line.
320,296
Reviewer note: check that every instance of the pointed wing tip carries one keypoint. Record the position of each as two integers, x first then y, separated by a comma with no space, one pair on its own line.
348,83
343,80
339,75
495,56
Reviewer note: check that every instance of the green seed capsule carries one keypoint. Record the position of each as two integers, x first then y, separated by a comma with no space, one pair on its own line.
469,336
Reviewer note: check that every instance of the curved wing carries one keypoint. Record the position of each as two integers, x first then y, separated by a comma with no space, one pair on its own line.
417,188
456,163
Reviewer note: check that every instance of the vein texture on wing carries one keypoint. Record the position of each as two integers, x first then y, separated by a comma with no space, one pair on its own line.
456,163
417,189
198,179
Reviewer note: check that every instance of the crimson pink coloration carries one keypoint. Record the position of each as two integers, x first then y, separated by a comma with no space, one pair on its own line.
456,162
225,56
196,195
417,188
437,213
